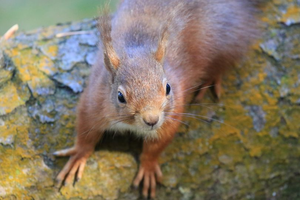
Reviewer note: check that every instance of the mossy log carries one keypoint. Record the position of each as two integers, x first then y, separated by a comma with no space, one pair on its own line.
244,147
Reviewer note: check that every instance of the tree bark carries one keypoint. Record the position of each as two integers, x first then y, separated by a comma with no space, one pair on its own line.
244,147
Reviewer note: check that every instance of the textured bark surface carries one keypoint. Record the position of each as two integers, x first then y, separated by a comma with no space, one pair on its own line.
249,150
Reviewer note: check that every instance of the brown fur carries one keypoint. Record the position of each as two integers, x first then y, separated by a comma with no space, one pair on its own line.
140,54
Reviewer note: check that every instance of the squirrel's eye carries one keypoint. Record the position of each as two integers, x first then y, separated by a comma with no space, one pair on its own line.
121,97
168,89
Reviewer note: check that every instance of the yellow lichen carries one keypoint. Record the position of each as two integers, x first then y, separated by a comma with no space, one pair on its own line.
9,99
292,15
255,151
52,50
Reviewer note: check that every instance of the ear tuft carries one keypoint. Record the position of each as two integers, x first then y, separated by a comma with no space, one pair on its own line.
161,48
111,59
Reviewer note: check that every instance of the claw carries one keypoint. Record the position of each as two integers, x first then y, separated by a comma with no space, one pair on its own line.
77,180
149,177
80,171
57,183
153,185
139,177
146,184
65,152
73,170
159,174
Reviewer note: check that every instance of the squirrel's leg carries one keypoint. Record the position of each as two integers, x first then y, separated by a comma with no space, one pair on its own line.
218,86
203,90
216,83
86,140
78,157
149,169
79,154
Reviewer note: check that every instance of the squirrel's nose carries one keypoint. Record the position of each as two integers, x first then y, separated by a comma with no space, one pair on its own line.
151,120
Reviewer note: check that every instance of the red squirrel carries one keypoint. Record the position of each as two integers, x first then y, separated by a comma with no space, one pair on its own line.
152,55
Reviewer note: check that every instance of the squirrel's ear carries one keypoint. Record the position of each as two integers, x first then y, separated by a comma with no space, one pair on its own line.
111,59
161,48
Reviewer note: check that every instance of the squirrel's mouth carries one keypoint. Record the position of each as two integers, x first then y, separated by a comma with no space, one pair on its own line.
140,130
147,134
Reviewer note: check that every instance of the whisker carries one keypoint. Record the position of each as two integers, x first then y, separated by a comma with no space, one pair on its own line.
115,122
200,104
171,118
178,114
195,116
213,104
196,86
119,118
88,130
191,88
210,108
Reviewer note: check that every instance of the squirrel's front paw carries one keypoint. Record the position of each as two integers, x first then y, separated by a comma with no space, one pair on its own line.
75,164
150,173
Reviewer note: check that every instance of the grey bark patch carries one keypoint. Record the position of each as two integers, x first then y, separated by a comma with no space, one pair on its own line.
45,113
73,82
270,48
258,116
91,58
90,39
41,89
71,53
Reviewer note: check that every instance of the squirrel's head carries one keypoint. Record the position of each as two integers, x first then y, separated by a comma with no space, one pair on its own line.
141,93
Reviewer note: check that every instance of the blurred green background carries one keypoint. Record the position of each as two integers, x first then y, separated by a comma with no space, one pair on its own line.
31,14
